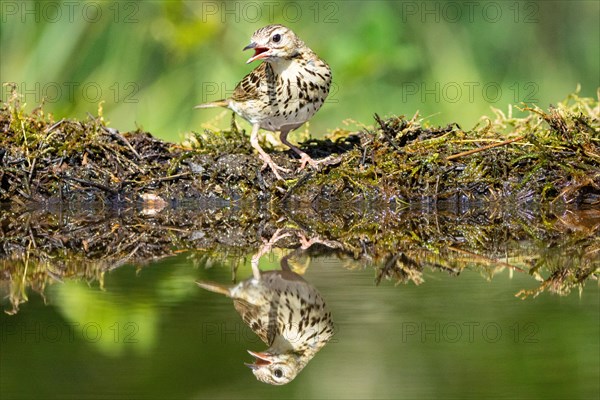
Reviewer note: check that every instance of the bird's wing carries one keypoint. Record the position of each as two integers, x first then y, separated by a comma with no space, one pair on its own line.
249,86
254,317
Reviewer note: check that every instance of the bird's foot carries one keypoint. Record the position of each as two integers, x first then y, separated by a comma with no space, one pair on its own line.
277,236
317,164
307,243
264,249
306,159
274,167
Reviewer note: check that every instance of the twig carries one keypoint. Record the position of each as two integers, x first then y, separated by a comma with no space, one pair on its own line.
491,146
31,170
93,184
172,177
298,183
51,127
489,260
119,136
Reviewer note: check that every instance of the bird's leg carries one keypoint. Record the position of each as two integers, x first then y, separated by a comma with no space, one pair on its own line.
265,157
265,248
304,158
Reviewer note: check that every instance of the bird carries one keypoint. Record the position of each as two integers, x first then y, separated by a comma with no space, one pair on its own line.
286,312
283,92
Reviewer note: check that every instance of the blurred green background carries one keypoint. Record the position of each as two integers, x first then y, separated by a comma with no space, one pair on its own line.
152,61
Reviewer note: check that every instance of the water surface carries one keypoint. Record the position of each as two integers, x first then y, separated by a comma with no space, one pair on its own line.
151,333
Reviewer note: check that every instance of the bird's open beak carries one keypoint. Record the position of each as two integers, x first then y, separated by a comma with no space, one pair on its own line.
261,359
259,52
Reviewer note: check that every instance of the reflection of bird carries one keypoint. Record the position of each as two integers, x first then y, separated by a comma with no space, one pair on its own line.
288,314
283,92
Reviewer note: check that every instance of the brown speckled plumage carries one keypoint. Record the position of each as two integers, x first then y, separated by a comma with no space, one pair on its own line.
283,92
288,314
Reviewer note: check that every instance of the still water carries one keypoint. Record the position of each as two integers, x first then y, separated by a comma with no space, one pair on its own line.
153,333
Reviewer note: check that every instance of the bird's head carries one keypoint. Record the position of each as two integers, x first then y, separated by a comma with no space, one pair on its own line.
273,43
275,369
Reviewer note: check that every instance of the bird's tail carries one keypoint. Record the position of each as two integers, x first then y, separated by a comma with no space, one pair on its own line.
214,287
218,103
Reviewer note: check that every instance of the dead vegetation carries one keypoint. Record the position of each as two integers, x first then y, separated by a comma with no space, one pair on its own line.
546,157
78,198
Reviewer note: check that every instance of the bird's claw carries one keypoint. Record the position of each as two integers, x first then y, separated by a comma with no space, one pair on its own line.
306,159
317,164
277,236
265,248
306,243
275,168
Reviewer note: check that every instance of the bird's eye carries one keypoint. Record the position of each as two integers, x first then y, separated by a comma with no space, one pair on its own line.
276,37
278,373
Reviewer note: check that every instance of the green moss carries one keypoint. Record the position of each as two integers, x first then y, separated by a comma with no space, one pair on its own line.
402,195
